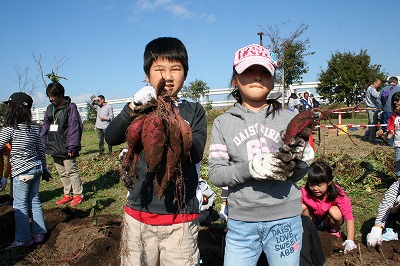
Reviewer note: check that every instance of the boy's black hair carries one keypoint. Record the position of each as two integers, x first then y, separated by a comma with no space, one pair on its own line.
169,48
55,89
393,79
321,172
16,114
395,98
102,97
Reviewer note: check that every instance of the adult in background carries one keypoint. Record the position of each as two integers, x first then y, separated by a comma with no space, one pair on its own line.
384,100
371,100
315,102
61,135
105,114
293,103
306,102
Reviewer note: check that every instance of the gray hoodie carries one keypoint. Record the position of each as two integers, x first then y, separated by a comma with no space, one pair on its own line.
238,135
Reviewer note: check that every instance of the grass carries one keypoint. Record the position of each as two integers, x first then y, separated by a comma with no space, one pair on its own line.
364,179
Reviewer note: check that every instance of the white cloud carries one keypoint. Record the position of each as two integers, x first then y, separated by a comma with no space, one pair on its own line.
177,9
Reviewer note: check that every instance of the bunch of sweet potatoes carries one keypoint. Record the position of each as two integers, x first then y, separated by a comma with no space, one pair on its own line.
165,139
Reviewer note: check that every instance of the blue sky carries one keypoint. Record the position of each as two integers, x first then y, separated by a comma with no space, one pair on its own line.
103,41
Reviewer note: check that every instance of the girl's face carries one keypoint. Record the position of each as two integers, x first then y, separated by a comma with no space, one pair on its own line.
254,84
397,105
171,71
319,190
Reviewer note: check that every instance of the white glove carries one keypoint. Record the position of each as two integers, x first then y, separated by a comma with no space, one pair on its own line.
268,167
3,183
144,95
349,245
308,154
122,154
375,237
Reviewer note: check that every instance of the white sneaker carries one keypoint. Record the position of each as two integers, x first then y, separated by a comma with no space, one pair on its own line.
223,213
389,235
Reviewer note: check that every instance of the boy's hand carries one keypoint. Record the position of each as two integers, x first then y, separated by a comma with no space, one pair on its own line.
144,95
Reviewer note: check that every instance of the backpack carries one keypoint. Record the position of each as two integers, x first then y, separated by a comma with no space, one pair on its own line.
385,95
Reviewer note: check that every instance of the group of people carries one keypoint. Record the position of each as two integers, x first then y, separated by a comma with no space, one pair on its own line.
380,108
302,102
266,211
60,137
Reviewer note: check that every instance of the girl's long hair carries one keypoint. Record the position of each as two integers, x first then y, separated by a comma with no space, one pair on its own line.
274,106
321,172
16,114
395,98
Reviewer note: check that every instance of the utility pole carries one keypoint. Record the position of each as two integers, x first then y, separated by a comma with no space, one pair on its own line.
260,34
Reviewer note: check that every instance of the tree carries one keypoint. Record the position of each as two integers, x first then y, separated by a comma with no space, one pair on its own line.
24,80
91,111
195,90
290,52
347,77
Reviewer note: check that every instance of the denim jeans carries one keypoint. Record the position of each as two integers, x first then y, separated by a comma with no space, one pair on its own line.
281,241
26,204
397,153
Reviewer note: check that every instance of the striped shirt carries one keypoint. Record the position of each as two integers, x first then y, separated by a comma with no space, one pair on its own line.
387,203
27,150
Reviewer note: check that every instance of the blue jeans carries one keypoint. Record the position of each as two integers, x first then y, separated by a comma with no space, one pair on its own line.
26,203
281,241
397,153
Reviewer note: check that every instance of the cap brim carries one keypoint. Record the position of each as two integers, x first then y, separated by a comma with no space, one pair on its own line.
242,66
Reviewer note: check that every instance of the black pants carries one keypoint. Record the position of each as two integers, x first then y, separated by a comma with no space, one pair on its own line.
100,135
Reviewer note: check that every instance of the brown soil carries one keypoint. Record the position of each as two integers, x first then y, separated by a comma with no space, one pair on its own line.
76,238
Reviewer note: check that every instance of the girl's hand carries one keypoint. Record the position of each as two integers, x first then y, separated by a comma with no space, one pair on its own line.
349,245
270,166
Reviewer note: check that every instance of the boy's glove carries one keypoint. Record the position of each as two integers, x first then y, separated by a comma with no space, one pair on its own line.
375,237
46,174
144,95
349,245
271,166
3,183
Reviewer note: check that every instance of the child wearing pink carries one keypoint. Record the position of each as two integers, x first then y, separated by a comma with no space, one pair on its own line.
326,203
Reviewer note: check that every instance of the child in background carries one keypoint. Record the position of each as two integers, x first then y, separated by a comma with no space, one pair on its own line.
327,204
28,161
393,129
162,231
388,215
263,200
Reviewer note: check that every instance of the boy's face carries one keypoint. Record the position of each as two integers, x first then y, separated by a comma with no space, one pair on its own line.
171,71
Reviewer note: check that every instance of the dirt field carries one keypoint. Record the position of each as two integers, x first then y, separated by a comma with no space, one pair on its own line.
76,238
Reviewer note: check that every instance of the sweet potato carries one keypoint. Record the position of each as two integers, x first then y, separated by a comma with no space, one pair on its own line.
133,134
154,138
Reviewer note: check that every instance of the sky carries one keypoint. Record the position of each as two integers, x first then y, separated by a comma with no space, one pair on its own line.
101,43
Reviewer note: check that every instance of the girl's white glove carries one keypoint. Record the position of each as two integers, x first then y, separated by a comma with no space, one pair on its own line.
349,245
144,95
3,183
375,237
268,166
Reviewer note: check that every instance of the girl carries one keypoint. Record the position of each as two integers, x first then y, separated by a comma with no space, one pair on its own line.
27,163
293,103
263,200
326,203
393,129
388,215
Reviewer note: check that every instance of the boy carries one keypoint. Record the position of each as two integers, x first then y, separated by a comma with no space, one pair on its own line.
61,136
157,229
